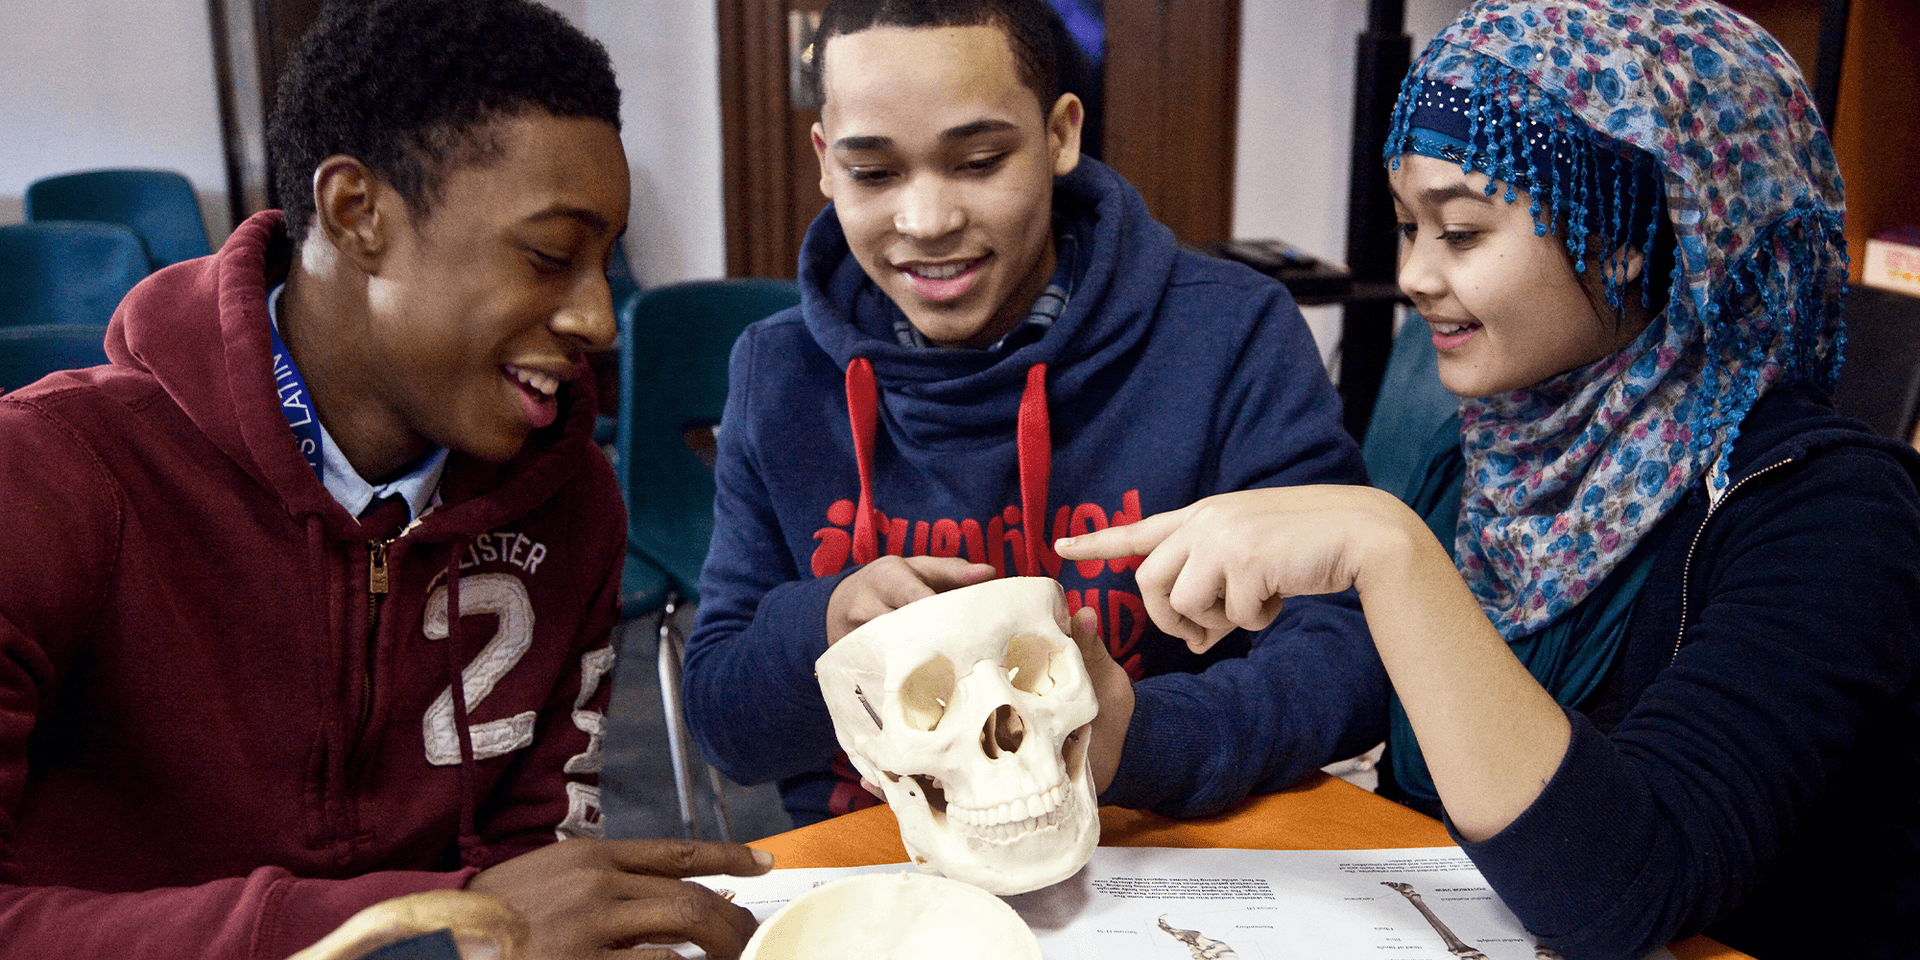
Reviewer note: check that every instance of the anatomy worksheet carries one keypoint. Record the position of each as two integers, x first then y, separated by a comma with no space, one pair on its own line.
1159,903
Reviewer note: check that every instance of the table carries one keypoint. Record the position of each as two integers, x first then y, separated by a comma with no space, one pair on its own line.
1322,813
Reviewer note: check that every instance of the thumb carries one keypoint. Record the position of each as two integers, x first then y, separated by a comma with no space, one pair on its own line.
1085,628
1128,540
947,573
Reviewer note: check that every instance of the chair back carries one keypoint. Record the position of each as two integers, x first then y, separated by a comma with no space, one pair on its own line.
1411,406
61,271
158,204
674,345
30,352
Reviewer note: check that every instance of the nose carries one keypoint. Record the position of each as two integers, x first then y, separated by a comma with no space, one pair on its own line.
1418,278
587,316
928,209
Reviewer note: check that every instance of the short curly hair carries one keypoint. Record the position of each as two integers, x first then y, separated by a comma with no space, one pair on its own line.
409,88
1033,32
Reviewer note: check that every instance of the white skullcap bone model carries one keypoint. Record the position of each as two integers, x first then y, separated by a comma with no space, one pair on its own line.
971,710
894,916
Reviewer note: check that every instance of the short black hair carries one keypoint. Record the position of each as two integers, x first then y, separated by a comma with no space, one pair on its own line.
408,87
1032,28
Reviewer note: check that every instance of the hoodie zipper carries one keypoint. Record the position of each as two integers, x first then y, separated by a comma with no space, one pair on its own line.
376,588
378,583
1686,572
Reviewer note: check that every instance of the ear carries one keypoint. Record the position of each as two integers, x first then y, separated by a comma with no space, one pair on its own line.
820,153
349,210
1063,133
1625,264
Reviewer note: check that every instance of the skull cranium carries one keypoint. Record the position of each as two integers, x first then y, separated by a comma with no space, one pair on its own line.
971,710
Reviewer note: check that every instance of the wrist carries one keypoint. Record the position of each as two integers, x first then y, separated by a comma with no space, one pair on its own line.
1394,547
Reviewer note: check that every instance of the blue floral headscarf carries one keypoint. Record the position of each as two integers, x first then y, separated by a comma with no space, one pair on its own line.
1565,477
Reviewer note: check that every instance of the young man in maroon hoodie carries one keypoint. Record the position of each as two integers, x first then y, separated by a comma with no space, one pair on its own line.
310,589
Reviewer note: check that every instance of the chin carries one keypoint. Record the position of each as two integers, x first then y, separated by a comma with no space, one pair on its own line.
946,332
1469,383
492,449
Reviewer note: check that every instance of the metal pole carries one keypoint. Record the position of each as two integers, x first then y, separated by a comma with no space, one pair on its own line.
1382,57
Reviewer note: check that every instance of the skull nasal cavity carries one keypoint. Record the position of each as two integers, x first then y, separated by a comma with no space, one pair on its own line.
1003,732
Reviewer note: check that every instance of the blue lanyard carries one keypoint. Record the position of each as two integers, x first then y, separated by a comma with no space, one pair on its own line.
296,404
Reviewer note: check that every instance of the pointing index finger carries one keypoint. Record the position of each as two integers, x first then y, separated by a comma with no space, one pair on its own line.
1128,540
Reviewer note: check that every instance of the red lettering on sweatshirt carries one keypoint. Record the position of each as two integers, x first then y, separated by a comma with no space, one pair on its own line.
1003,544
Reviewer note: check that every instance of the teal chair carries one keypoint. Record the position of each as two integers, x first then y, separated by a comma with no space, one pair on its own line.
1411,406
674,342
31,351
61,271
159,205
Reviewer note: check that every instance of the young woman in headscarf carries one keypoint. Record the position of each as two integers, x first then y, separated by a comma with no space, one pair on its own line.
1651,618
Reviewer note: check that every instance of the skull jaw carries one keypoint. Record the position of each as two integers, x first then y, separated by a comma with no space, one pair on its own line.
1029,856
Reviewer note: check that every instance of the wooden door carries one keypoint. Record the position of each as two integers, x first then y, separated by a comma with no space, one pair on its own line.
1172,71
771,180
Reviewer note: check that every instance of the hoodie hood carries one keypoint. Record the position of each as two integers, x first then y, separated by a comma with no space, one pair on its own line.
936,395
222,376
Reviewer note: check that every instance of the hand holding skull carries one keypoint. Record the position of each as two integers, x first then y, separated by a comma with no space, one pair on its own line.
889,583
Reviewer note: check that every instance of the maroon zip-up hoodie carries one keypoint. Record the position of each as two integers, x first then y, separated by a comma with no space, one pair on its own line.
218,738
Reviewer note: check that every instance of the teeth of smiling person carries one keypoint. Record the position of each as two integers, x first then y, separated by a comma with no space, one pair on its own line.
539,381
944,271
1449,329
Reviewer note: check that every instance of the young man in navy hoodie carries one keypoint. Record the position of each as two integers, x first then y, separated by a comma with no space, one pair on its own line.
997,346
315,580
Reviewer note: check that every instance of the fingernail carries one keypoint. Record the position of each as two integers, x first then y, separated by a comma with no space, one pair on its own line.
1063,542
762,857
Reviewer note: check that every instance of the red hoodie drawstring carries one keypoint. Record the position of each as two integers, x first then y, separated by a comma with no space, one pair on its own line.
470,845
1033,438
863,404
1033,443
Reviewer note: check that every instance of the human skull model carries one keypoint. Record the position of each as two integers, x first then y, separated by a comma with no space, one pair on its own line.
971,710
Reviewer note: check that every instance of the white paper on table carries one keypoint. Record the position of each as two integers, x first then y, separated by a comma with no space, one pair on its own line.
1250,904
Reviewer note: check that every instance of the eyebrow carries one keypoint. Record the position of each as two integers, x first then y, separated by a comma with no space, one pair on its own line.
591,219
1435,196
964,131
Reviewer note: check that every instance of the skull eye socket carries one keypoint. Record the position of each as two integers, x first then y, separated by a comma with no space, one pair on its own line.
1029,664
925,694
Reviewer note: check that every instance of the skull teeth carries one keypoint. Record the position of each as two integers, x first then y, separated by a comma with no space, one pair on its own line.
1015,817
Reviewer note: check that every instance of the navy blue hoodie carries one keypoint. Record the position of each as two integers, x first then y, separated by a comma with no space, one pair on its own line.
1168,377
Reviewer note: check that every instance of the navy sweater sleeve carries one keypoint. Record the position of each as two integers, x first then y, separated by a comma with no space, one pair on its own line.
1801,632
1312,689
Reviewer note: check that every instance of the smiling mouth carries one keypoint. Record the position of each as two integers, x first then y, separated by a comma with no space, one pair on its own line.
941,271
943,282
534,380
537,391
